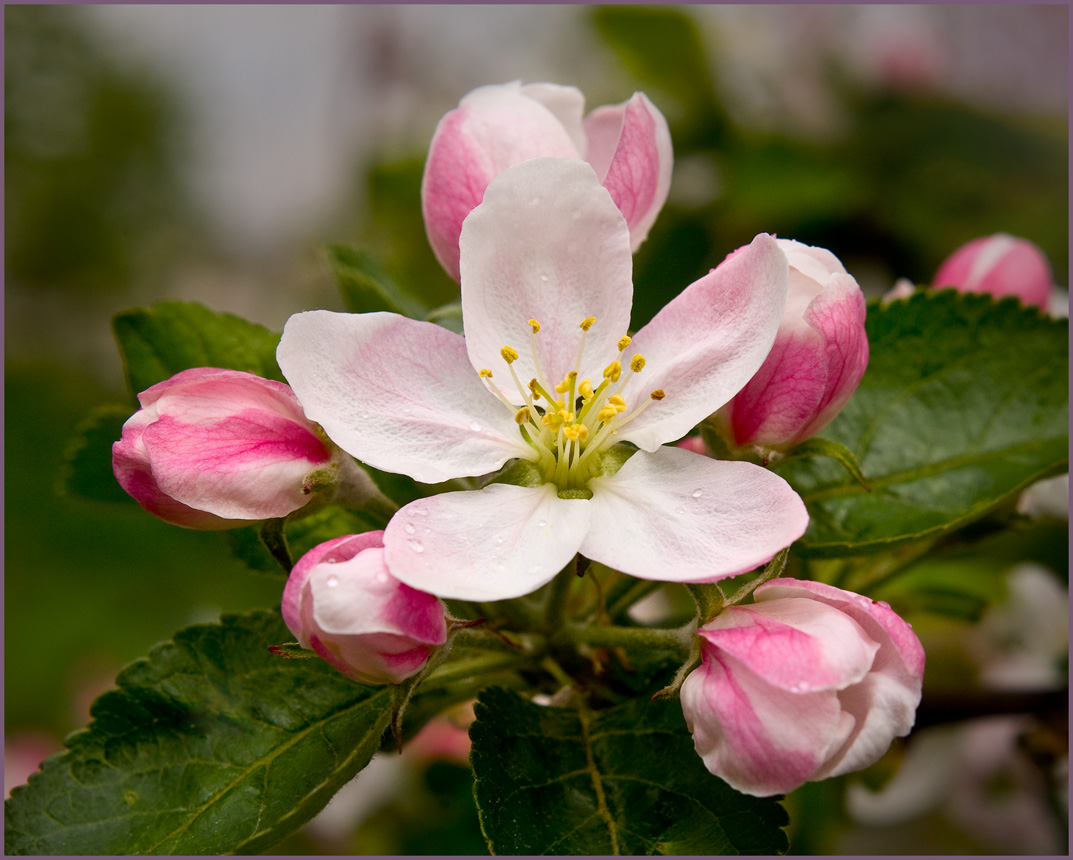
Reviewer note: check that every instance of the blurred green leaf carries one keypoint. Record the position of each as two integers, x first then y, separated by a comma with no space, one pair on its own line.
963,405
366,287
210,745
86,472
158,342
622,781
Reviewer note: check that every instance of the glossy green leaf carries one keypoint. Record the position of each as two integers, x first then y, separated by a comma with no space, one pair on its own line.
963,405
210,745
366,287
86,472
158,342
622,781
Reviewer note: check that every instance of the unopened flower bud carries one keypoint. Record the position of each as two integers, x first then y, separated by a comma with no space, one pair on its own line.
807,683
1001,265
342,602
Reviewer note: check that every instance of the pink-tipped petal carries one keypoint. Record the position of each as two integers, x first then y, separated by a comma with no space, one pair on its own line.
547,244
491,544
708,342
1001,265
629,146
675,516
398,394
567,104
493,128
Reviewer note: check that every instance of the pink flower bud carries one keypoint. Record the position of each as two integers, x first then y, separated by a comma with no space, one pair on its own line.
818,358
217,449
807,683
342,602
1001,265
495,127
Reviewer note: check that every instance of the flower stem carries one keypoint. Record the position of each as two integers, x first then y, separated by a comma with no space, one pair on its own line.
626,598
636,638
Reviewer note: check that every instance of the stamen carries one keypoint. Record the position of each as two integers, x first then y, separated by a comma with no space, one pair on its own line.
533,388
509,353
637,363
586,323
623,342
617,402
606,414
534,325
657,394
613,371
522,415
485,372
585,389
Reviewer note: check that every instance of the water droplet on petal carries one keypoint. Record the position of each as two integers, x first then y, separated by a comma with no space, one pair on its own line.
409,528
536,568
498,565
500,538
544,277
416,545
679,511
542,524
696,494
475,426
801,687
381,577
419,512
884,604
332,581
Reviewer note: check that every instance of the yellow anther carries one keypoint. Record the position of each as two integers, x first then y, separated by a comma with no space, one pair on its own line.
585,389
564,386
534,325
637,363
567,417
623,342
522,416
576,432
485,372
613,371
657,394
552,420
606,414
617,401
586,323
533,386
509,353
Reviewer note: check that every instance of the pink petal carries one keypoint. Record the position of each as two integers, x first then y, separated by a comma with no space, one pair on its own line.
708,342
797,645
1001,265
567,104
547,244
630,148
491,544
493,128
679,517
398,394
332,551
759,739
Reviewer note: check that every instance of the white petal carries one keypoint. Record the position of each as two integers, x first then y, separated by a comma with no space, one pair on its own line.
547,243
707,343
679,517
398,394
491,544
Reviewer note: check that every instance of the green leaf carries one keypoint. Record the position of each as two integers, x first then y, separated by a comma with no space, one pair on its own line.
210,745
158,342
622,781
964,404
366,287
86,472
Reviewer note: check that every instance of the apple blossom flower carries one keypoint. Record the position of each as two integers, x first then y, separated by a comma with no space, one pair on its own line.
807,683
217,449
495,127
1001,265
546,375
819,356
342,602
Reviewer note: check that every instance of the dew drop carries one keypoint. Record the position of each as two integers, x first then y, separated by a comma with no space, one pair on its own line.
536,568
696,494
419,512
332,581
409,528
475,427
542,524
884,604
381,577
330,560
679,511
500,539
416,545
498,565
544,277
801,687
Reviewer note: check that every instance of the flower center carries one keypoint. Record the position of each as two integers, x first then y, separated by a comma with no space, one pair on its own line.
570,423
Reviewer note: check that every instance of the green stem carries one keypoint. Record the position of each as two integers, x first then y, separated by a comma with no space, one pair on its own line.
469,670
558,592
637,590
601,636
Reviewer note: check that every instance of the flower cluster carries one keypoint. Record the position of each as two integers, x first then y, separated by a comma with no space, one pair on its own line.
564,423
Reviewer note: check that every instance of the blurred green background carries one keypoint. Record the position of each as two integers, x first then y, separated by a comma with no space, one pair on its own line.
208,153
